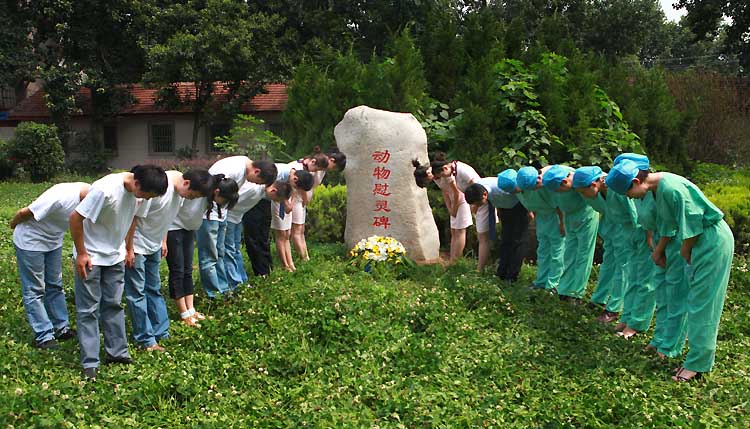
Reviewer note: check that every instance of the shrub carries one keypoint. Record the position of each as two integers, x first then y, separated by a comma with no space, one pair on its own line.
37,148
326,214
728,189
7,167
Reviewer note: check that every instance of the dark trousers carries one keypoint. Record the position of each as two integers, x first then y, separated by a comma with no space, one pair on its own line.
515,223
180,248
256,228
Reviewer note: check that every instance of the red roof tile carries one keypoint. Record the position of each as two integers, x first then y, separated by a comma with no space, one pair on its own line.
34,107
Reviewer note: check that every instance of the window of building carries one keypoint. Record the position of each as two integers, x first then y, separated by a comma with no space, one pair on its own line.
161,137
275,127
216,129
110,138
7,97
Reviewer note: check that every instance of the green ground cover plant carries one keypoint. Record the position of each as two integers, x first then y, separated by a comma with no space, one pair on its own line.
329,346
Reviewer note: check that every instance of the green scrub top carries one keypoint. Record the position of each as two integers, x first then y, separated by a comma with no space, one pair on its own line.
682,210
621,209
540,200
646,208
570,201
597,203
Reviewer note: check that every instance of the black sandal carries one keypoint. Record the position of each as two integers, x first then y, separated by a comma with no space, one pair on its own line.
682,379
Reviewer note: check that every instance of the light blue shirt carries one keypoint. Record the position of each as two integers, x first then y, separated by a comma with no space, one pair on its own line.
499,198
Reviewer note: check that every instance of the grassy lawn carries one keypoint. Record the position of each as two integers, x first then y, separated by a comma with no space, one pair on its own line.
328,346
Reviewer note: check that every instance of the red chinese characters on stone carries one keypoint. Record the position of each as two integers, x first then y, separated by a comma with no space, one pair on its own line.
381,206
381,189
381,173
383,221
381,157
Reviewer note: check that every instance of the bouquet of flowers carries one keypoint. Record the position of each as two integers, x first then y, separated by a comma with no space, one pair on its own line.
377,253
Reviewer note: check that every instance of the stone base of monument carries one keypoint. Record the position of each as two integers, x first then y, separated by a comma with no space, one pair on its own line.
382,195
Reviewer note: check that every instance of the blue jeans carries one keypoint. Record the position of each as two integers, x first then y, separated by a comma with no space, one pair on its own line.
148,311
233,262
210,238
43,296
98,299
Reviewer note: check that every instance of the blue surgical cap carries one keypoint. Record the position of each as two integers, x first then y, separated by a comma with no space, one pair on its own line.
585,176
507,180
641,161
526,178
554,176
621,176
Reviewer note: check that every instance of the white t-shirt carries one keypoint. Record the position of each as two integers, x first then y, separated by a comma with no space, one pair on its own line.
317,180
250,195
233,167
446,184
283,171
465,175
153,218
191,215
108,209
51,210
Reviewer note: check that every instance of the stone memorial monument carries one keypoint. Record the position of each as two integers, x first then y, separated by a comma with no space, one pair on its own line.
383,198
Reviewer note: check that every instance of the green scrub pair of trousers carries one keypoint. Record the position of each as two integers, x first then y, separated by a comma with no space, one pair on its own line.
708,276
607,268
639,302
550,250
580,242
676,292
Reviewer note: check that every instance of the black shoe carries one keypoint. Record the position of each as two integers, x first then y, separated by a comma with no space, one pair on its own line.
124,360
66,334
47,345
89,374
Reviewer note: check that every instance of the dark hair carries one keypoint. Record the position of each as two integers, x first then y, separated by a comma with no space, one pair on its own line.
228,189
474,193
438,161
199,179
321,159
642,175
283,189
304,179
151,179
267,169
420,173
338,158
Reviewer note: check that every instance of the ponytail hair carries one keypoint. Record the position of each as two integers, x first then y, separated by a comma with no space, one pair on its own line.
438,161
339,159
228,190
321,159
420,173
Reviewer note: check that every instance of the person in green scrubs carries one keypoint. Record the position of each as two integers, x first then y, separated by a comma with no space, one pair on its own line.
683,211
550,233
581,223
589,183
638,297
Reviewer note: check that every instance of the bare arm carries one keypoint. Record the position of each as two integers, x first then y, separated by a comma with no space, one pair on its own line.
658,254
686,250
83,261
21,216
562,224
129,251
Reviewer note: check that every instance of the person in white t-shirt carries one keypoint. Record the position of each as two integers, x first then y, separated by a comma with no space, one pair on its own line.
211,236
146,245
458,208
212,233
250,195
38,232
281,217
317,165
465,176
98,227
181,247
